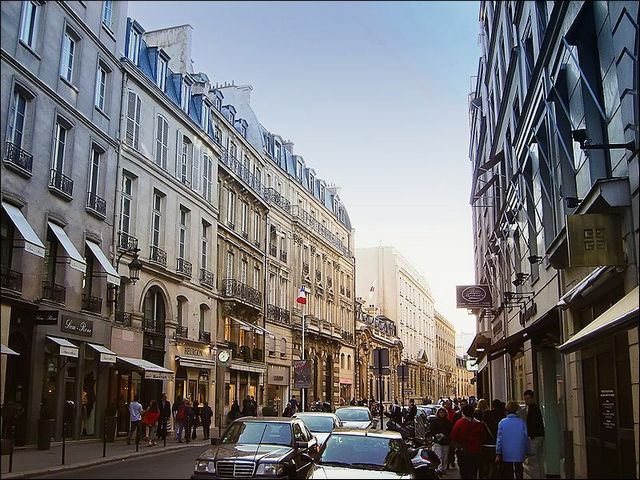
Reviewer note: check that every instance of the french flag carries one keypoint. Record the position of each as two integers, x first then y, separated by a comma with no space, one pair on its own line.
302,297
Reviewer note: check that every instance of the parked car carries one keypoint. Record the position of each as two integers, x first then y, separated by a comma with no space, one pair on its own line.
321,424
356,417
357,453
270,447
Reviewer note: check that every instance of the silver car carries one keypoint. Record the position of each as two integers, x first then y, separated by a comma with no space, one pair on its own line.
321,424
356,417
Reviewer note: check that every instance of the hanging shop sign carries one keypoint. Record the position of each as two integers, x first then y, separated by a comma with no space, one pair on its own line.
595,240
473,296
77,326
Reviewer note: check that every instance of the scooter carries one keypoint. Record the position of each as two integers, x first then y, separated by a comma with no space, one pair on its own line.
426,461
407,432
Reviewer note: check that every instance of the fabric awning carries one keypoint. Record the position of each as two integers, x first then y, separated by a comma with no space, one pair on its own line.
247,368
151,370
76,261
577,290
32,243
195,362
67,349
622,315
112,276
106,355
4,350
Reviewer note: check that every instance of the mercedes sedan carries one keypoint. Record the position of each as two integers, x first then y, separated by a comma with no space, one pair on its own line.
356,417
321,424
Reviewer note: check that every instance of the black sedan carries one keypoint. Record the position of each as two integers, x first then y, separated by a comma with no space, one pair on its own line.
259,447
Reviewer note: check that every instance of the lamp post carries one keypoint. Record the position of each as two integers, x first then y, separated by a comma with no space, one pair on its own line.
135,266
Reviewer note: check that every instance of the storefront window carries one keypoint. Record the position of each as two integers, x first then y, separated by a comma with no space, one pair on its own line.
49,383
203,387
193,385
517,369
88,394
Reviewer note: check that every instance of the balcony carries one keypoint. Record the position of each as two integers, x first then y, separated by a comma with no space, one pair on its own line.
204,337
96,205
61,184
258,355
274,198
151,326
126,241
316,227
206,278
123,318
347,337
53,291
283,256
326,326
91,303
233,164
184,268
279,315
234,289
305,268
18,160
273,250
10,279
313,322
182,331
158,256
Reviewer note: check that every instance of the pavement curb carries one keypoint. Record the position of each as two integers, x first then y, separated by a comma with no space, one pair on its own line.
98,461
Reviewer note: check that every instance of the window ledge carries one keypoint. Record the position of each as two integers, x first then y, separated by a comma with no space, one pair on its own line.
69,84
102,112
30,49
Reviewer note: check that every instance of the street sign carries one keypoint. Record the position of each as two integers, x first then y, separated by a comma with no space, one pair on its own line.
403,372
381,361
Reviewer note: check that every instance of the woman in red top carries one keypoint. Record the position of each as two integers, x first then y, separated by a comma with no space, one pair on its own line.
150,419
469,435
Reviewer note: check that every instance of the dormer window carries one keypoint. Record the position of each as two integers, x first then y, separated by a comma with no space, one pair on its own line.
335,205
311,181
299,170
232,117
243,130
205,117
217,103
322,192
185,96
134,45
276,150
161,80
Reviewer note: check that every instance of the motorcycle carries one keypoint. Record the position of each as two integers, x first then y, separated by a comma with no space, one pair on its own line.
406,431
427,460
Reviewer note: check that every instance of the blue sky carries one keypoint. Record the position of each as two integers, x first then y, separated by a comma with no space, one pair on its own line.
374,96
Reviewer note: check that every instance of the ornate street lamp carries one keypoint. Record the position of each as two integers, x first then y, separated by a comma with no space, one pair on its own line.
135,266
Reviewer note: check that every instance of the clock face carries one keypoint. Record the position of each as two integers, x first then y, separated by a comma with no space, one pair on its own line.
223,356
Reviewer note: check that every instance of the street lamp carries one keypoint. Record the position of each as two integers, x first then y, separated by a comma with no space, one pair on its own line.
135,266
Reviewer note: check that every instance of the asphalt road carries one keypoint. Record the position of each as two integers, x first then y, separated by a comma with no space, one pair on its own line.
173,464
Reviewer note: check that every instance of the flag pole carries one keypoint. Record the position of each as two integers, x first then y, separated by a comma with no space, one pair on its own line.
302,392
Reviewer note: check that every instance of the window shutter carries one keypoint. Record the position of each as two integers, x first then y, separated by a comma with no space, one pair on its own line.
137,123
178,152
195,178
131,106
165,142
158,156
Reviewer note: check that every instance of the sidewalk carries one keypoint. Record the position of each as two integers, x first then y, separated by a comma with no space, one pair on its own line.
29,461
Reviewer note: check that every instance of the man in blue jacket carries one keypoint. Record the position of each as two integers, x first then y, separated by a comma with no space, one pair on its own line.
512,443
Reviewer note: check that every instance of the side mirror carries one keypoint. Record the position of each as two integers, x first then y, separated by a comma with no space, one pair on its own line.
215,441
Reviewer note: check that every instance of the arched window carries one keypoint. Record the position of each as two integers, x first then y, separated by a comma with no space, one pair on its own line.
348,362
154,311
271,345
342,360
283,347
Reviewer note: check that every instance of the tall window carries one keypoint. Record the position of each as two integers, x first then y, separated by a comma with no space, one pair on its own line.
101,86
184,161
68,53
29,23
94,170
156,221
134,46
207,176
185,95
162,141
205,118
203,318
233,150
181,310
59,148
229,265
107,13
204,242
244,219
256,227
182,233
161,73
299,170
132,135
244,266
256,278
231,208
311,182
16,121
126,203
276,151
283,347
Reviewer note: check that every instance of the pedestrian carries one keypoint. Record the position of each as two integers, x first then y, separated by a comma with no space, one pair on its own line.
254,407
353,401
181,420
492,417
448,406
535,429
246,407
135,415
234,412
150,420
294,403
469,435
195,419
413,410
512,443
174,412
458,414
441,431
205,417
165,415
190,415
288,410
481,407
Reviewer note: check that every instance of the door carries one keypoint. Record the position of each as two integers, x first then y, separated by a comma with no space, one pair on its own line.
301,458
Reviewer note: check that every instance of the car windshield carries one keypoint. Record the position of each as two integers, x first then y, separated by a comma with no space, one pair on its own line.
258,433
370,452
317,423
353,414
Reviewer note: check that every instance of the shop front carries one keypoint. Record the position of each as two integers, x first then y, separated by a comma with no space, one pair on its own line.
195,374
277,388
242,381
346,390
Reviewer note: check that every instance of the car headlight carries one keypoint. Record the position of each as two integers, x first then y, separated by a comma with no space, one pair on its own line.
204,466
270,469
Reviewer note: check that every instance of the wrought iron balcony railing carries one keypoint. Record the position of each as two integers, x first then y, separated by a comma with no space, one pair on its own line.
243,172
10,279
273,197
204,337
317,227
53,291
126,241
97,204
158,255
234,289
123,318
16,157
277,314
206,277
182,331
184,267
61,184
91,303
152,326
347,336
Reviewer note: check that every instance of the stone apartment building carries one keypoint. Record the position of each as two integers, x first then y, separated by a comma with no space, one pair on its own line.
554,155
60,106
445,358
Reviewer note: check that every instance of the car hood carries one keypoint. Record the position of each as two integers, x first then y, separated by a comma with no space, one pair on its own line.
320,472
246,452
361,425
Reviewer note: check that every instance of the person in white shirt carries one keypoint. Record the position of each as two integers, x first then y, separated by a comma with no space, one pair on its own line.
135,415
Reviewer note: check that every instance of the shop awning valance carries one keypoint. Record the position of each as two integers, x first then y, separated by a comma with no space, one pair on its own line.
106,355
577,290
623,314
195,362
76,261
151,370
32,243
112,276
4,350
67,349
